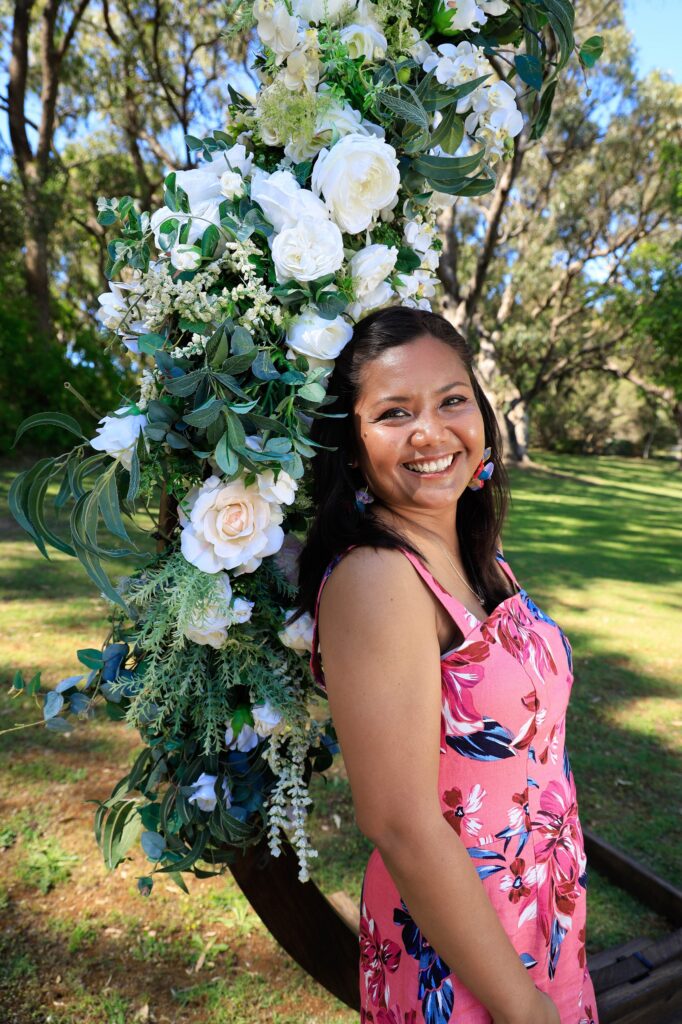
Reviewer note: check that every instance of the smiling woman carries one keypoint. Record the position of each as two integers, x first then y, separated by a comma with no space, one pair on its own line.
448,688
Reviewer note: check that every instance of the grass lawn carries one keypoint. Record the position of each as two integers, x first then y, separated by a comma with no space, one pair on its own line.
595,542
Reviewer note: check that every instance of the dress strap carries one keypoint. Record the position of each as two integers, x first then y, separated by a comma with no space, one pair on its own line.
315,659
507,568
458,612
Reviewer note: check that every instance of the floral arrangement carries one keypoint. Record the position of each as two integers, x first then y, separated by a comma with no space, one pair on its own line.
316,203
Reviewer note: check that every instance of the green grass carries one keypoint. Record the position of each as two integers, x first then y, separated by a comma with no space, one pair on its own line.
596,543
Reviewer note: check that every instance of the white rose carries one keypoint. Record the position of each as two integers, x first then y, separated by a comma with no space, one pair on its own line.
117,435
282,490
204,795
379,296
185,257
316,338
276,27
246,740
265,719
283,201
208,626
308,251
358,177
230,526
370,266
316,11
364,41
299,634
231,184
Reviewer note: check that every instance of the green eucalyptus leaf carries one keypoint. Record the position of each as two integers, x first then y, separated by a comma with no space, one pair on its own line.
312,392
56,419
226,457
241,342
529,69
591,51
544,112
450,132
263,367
205,414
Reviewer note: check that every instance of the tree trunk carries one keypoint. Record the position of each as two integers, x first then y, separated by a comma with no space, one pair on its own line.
36,263
516,434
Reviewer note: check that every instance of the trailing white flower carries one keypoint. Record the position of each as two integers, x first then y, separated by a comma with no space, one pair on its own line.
229,526
299,634
358,177
495,119
319,340
122,310
204,794
289,798
283,201
311,249
364,41
117,435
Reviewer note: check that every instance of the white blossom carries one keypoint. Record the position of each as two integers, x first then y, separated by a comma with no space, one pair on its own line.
265,719
317,339
246,740
204,795
364,41
299,634
117,435
283,201
276,27
316,11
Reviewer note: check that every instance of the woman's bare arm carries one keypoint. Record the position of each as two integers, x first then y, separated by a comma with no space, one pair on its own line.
382,668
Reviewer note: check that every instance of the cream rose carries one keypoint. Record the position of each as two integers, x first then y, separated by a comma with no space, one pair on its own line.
311,249
358,177
229,526
315,338
299,634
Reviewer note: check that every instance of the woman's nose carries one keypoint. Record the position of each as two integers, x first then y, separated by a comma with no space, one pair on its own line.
428,429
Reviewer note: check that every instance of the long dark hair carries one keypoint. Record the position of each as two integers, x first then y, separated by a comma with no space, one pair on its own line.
337,522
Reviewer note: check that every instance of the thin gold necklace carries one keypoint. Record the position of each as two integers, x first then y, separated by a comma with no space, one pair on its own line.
480,597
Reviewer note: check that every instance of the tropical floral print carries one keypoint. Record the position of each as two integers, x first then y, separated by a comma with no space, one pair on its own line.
506,788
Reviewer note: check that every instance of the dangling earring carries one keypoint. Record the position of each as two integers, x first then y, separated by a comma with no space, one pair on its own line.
483,472
363,498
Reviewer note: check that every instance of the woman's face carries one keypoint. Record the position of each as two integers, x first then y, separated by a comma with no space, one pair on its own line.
418,427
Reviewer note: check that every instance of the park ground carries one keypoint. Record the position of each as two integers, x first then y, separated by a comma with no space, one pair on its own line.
596,542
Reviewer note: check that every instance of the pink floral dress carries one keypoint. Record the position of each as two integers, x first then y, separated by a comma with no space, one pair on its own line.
506,787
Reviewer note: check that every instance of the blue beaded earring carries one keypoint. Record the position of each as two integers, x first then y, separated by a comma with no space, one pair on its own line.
363,498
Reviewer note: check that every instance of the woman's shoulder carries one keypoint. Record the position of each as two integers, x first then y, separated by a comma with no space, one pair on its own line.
365,574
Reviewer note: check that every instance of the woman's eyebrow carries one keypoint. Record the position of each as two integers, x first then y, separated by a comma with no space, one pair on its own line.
438,391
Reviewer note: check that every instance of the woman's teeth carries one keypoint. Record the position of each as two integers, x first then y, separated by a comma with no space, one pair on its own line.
436,466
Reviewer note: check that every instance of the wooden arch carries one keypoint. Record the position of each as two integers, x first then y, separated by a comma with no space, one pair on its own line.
639,982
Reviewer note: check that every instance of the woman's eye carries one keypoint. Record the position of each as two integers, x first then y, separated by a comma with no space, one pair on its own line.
456,399
392,414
